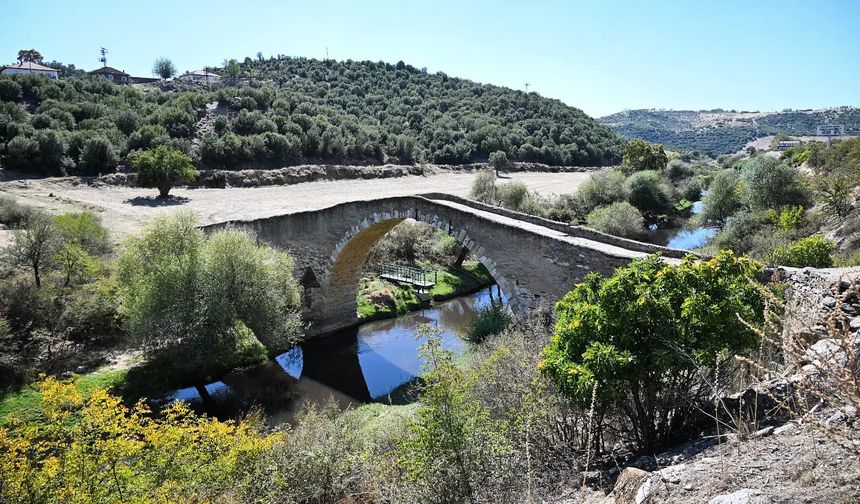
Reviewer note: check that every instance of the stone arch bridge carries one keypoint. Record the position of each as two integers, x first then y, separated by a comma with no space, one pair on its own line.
533,260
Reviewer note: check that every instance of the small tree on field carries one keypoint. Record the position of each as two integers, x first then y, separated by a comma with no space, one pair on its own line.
163,68
499,161
641,155
35,245
163,168
639,345
232,69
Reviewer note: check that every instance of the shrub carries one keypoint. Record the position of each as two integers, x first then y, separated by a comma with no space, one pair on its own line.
12,213
640,339
814,251
86,229
515,196
647,191
491,320
10,90
787,219
484,188
677,169
691,189
603,188
98,156
739,232
162,168
619,219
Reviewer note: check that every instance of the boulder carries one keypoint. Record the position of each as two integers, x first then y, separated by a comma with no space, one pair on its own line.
628,484
742,496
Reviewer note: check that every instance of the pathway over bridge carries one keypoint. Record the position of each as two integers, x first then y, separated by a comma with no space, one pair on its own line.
533,260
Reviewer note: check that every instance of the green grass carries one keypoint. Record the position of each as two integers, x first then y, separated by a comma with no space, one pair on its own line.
27,402
451,282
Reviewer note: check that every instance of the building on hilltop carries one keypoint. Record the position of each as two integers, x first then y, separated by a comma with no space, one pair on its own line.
31,68
204,76
112,74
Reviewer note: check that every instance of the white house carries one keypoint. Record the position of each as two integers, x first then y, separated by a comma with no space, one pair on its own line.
29,67
200,76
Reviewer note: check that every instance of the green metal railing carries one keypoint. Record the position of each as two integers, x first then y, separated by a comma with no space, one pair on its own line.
408,274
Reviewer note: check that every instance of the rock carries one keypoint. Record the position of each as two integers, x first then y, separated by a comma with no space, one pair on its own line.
80,369
767,431
628,484
645,462
688,487
854,323
67,375
742,496
827,352
829,301
835,418
787,428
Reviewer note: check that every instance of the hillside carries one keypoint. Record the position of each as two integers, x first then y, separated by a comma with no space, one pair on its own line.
718,132
284,111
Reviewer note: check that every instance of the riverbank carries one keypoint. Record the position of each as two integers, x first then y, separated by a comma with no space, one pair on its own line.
380,299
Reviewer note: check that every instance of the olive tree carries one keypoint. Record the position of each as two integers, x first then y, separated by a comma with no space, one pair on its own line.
638,346
499,161
162,168
34,246
163,68
723,198
641,155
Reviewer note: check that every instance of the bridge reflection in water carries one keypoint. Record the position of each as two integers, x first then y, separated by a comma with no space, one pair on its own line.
348,368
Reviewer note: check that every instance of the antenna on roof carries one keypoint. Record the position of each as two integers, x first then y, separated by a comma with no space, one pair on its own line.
103,59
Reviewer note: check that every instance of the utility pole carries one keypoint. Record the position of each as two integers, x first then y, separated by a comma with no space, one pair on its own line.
527,88
103,59
326,52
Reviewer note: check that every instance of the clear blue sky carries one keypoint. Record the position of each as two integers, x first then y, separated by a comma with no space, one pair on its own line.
602,56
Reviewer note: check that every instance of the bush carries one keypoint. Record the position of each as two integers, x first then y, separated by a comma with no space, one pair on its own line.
98,156
603,188
515,196
643,339
9,90
619,219
491,320
678,169
484,188
12,213
647,191
86,229
814,251
499,160
788,219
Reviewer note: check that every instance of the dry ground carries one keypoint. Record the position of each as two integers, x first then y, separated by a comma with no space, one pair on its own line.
124,210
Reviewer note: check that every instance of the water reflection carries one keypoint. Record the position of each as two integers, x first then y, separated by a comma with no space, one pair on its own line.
350,367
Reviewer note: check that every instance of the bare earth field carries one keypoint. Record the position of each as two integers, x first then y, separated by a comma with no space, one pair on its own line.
125,210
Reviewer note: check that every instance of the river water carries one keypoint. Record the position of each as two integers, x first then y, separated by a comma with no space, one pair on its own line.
373,362
684,238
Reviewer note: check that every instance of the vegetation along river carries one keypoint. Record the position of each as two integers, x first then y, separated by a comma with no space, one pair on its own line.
376,361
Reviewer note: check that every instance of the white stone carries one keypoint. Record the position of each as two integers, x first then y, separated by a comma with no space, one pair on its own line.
742,496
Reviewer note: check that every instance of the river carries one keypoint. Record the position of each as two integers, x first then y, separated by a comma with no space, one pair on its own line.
686,237
373,362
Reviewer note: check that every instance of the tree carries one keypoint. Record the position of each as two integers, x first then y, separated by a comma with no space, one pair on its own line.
232,69
641,155
34,246
30,55
98,156
499,161
162,168
619,219
647,191
641,341
769,183
723,198
163,68
484,188
74,263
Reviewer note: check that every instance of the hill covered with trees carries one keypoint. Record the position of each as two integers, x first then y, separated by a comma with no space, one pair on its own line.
718,131
281,111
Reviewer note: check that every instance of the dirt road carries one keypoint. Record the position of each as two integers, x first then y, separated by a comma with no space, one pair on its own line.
124,210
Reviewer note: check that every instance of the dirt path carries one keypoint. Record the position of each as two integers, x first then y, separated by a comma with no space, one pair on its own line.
124,210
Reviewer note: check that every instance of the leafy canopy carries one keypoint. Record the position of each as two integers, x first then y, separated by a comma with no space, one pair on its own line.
640,336
162,168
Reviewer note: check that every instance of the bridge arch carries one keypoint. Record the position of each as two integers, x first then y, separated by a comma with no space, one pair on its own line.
349,256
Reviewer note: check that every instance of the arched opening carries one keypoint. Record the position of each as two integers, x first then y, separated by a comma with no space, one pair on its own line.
351,256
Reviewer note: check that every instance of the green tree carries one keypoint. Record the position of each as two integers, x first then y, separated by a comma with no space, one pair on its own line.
163,68
723,198
499,161
642,339
162,168
769,183
34,246
484,188
98,156
814,251
641,155
74,263
232,69
29,55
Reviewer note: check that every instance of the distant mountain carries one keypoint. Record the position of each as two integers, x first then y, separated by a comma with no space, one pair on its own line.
718,131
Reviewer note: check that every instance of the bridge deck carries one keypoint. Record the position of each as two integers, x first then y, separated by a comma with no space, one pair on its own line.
545,231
